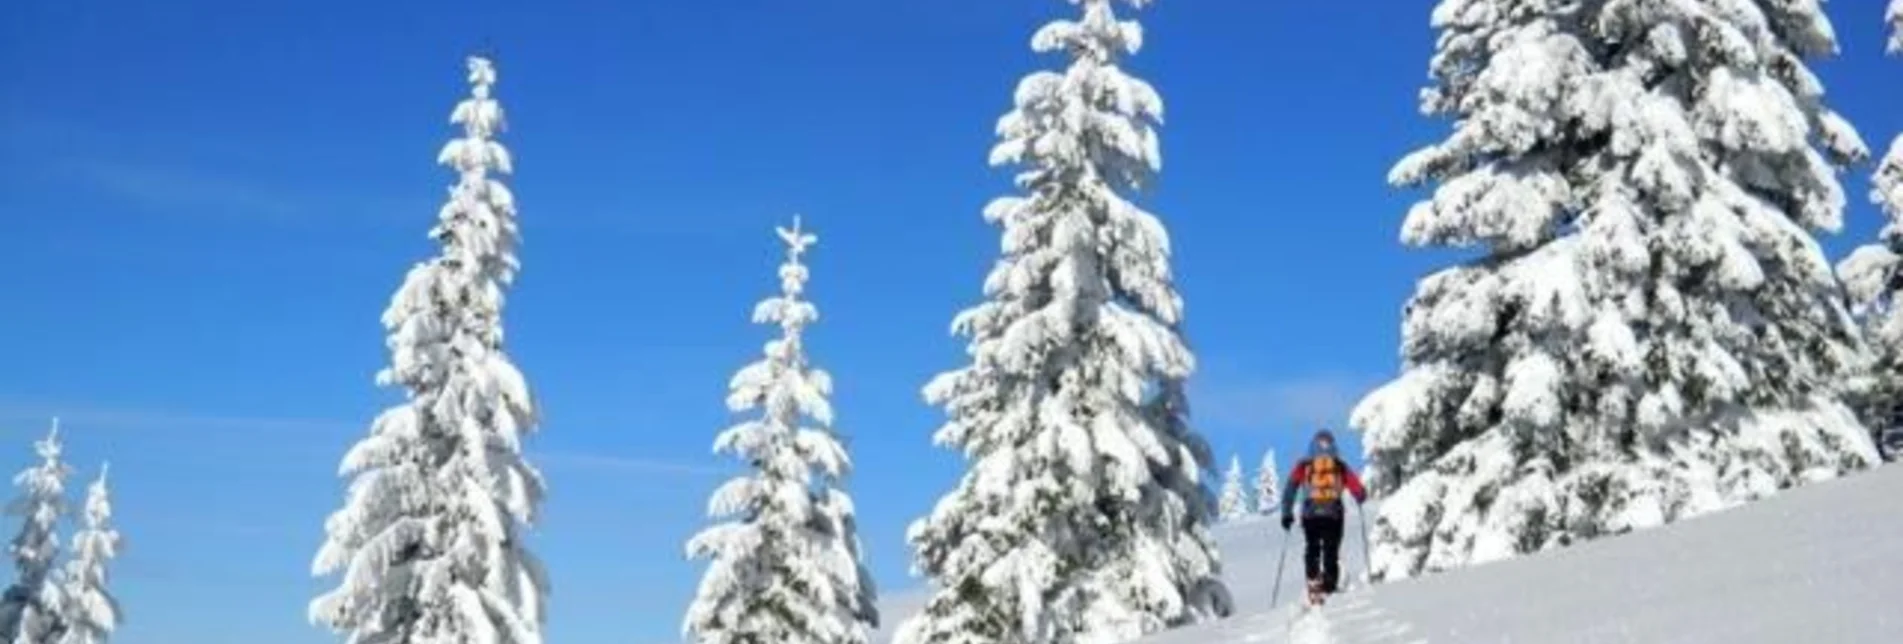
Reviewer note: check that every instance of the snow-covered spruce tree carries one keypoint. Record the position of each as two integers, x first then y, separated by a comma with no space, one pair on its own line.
1652,332
430,539
1872,277
1268,486
30,609
1085,514
91,613
1234,502
785,567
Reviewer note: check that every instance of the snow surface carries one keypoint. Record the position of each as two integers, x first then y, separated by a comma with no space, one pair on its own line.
1814,564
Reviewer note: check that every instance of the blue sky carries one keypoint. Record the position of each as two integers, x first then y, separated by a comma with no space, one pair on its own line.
207,204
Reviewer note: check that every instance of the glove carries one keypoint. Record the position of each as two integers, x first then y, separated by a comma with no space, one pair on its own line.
1287,521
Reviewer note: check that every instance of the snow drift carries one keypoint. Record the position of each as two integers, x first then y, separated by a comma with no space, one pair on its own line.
1821,563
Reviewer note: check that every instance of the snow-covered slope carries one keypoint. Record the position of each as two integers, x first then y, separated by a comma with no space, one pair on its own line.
1822,563
1250,547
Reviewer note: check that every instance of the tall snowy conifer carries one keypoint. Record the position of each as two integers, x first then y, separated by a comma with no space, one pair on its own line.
1652,331
786,567
1085,514
1234,503
91,613
30,610
430,537
1872,277
1268,486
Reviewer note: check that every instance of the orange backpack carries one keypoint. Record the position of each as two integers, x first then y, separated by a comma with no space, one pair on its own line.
1324,480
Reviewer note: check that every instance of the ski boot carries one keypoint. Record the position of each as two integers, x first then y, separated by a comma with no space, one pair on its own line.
1315,593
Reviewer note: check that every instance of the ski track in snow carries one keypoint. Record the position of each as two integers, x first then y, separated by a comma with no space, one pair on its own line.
1311,628
1352,618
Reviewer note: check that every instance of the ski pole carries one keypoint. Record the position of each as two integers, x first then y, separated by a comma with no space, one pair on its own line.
1280,562
1367,570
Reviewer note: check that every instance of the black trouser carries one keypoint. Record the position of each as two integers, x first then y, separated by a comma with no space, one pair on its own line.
1322,557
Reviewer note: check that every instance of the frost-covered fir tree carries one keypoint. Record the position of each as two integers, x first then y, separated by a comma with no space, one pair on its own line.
1085,513
430,541
1268,486
785,565
30,609
91,613
1873,280
1234,503
1652,331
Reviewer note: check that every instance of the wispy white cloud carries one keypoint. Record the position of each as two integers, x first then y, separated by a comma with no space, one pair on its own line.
612,464
35,417
14,414
181,189
211,192
1281,403
222,180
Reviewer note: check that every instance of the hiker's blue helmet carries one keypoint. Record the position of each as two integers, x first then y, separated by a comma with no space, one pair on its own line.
1323,443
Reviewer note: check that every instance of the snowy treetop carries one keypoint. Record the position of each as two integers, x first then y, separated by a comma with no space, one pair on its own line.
44,486
478,222
788,310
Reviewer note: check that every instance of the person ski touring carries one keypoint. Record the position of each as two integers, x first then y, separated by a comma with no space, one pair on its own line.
1322,476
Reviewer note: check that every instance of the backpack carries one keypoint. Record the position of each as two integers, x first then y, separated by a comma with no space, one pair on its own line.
1324,481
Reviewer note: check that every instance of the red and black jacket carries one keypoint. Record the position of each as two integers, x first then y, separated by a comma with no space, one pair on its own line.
1299,477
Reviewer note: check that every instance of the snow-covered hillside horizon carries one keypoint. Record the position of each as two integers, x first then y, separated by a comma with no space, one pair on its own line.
1813,564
